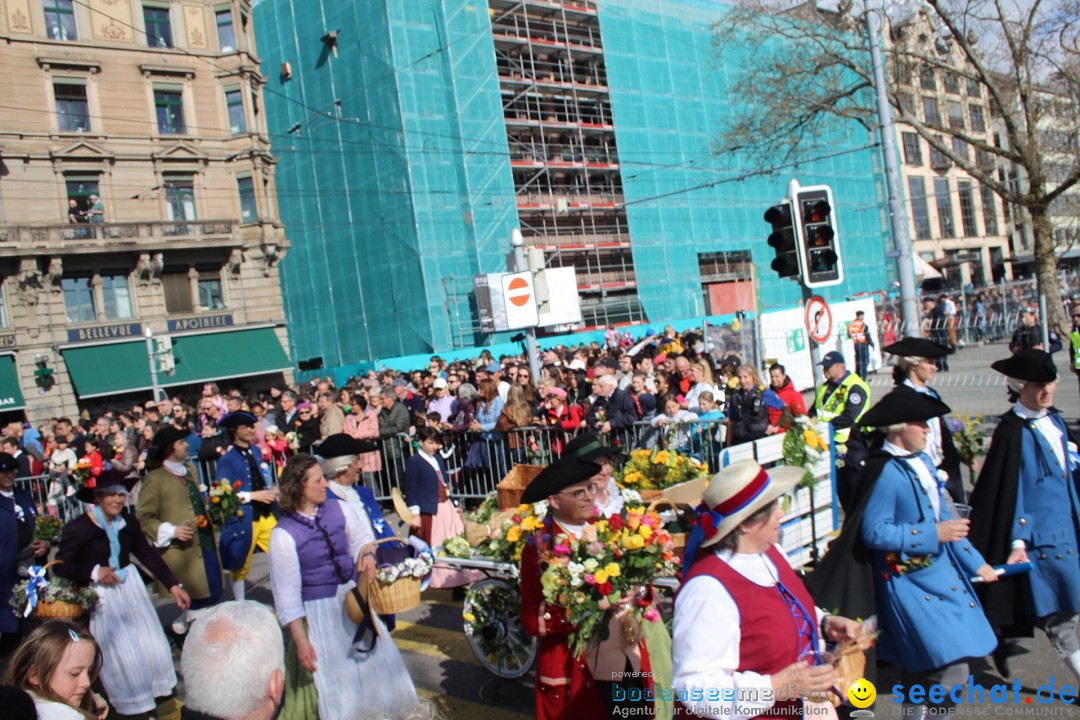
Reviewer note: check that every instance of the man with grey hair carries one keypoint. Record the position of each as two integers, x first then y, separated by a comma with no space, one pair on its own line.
233,664
613,410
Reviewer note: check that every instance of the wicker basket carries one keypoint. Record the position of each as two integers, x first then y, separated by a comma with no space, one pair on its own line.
511,487
60,609
399,596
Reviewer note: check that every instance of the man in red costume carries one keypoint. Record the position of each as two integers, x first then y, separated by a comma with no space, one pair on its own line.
565,687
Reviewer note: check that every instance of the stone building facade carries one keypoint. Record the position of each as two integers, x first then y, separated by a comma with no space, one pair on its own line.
136,194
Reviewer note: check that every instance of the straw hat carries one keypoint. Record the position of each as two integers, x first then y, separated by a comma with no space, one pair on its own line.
400,506
740,490
687,493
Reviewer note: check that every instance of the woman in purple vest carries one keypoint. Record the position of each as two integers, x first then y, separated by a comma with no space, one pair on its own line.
743,617
315,553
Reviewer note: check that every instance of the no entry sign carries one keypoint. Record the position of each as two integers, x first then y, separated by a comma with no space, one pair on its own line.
521,310
818,319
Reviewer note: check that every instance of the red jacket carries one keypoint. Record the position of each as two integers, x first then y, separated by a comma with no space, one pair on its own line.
793,400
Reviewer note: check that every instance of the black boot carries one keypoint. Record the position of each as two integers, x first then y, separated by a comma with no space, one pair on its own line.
1001,658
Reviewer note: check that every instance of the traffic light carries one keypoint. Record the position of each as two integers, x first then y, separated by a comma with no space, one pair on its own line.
782,240
43,375
820,246
163,354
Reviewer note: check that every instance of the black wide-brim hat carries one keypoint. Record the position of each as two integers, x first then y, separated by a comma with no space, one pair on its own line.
589,447
1028,365
917,347
342,445
8,462
238,419
166,436
903,407
564,472
108,478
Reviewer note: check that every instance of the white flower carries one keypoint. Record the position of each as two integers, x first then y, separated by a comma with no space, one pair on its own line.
591,564
631,497
942,476
540,509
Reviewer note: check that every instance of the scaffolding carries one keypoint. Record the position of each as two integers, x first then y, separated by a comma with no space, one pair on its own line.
561,138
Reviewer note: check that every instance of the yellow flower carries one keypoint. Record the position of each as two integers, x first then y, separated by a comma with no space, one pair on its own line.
602,526
523,509
531,523
645,531
601,576
469,617
513,534
660,458
612,570
631,478
633,542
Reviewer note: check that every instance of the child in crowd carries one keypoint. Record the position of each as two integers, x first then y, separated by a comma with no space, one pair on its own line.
56,664
711,432
678,436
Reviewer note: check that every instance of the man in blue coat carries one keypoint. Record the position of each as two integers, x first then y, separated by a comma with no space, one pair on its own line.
251,529
16,544
1025,509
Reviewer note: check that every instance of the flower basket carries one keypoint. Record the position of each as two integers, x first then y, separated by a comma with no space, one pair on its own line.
68,601
511,487
399,596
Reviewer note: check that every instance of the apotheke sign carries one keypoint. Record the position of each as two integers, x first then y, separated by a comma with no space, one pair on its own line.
202,322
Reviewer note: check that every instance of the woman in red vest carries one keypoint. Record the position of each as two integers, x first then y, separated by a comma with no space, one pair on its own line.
743,617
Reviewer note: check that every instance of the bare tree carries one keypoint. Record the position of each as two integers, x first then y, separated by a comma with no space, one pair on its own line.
813,66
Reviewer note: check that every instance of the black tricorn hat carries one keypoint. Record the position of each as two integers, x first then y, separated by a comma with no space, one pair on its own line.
1029,365
564,472
238,419
8,462
342,445
903,406
108,478
588,447
166,436
917,347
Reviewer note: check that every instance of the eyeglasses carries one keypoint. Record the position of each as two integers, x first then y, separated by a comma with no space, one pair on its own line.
305,412
524,376
582,494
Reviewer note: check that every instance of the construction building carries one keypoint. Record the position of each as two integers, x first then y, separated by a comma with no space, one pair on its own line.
420,134
136,195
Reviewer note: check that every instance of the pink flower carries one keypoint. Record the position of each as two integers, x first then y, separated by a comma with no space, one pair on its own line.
596,549
646,520
590,579
651,614
561,549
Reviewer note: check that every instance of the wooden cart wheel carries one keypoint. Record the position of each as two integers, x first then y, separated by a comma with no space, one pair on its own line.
495,632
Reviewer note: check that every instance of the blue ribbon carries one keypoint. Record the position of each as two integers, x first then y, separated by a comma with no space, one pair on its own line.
707,527
35,582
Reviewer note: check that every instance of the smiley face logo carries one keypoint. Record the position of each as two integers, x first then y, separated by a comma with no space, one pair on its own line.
862,693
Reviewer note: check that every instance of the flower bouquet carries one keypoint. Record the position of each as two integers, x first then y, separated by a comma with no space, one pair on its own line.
508,538
47,528
897,565
806,445
56,598
397,585
457,547
969,443
83,474
487,508
612,558
224,503
651,470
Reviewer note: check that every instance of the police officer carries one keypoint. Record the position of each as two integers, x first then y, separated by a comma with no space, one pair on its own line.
241,535
841,400
862,341
1074,337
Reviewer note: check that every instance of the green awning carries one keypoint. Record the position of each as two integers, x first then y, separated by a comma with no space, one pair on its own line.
10,395
208,357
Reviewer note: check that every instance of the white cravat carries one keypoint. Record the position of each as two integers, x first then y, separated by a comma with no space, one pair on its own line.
926,478
1046,426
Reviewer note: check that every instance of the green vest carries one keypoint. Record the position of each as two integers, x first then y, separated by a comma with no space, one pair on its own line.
829,408
1074,337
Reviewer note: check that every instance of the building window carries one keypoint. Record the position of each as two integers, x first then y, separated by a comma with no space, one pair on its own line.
180,202
79,299
234,102
930,112
246,188
906,103
60,20
956,114
926,78
978,120
912,149
116,296
158,29
72,109
3,307
960,148
967,208
938,159
989,208
177,287
917,192
225,34
210,296
952,83
944,208
974,88
80,187
169,104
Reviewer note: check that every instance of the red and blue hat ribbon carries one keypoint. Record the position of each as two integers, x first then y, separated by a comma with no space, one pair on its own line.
710,519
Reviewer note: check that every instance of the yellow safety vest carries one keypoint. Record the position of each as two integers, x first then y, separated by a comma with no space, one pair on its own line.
1074,337
829,408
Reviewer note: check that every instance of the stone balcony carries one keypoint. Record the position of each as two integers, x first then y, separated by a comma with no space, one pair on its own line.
68,238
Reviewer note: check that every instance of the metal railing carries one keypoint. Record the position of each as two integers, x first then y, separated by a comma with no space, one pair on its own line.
153,232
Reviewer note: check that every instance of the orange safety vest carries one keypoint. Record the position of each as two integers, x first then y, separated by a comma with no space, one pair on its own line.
857,331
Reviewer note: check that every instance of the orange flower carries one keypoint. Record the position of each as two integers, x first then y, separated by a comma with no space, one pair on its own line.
201,521
237,485
215,499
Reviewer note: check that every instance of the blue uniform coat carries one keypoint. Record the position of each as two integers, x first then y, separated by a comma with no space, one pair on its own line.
930,617
16,532
236,538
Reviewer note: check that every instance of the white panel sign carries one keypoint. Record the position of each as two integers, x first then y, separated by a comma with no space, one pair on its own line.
519,299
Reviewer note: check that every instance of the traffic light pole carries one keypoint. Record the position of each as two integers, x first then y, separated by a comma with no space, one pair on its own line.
518,243
807,293
905,264
153,364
